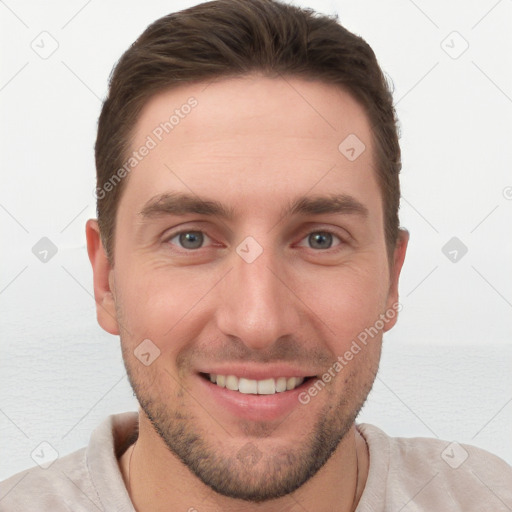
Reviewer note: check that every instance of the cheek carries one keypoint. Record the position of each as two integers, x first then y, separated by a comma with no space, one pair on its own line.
160,304
348,301
170,306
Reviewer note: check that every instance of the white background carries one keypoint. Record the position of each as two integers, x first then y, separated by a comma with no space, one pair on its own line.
446,367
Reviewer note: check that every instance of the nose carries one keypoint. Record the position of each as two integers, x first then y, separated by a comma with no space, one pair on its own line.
258,305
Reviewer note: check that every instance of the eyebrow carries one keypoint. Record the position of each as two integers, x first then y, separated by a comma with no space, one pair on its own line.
183,204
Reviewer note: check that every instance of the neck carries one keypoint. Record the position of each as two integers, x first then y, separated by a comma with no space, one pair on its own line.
338,485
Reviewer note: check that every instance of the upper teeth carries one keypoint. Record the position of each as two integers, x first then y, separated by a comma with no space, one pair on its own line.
260,387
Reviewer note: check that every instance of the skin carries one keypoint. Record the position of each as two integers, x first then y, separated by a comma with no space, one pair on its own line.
253,144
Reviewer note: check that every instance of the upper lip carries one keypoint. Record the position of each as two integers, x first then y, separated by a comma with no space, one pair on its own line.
258,372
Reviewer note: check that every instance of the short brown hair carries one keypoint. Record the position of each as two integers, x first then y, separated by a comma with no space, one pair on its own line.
227,38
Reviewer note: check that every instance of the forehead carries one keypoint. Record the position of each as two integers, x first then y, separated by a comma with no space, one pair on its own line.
253,137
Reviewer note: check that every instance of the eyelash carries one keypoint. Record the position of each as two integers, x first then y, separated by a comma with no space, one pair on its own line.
327,231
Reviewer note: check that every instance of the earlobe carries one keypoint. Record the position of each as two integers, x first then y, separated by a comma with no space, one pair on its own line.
398,261
103,279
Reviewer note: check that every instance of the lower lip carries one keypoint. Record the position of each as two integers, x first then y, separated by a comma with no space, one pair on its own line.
254,407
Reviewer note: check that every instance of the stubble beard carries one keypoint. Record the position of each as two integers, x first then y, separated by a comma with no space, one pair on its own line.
247,473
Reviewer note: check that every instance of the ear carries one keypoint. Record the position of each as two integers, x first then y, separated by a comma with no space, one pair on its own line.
103,279
395,269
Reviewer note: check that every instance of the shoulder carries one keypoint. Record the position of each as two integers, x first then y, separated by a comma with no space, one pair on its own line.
433,474
64,485
87,479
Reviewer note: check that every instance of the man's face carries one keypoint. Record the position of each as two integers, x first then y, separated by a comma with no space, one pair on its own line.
262,294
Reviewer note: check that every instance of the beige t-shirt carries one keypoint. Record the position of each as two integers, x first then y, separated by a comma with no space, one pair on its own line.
406,475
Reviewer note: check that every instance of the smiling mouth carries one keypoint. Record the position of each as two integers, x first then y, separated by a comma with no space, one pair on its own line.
269,386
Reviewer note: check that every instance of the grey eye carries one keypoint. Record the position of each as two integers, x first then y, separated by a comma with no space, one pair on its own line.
189,239
320,240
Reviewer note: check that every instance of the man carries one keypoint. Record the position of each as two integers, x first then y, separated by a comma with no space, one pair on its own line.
247,252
